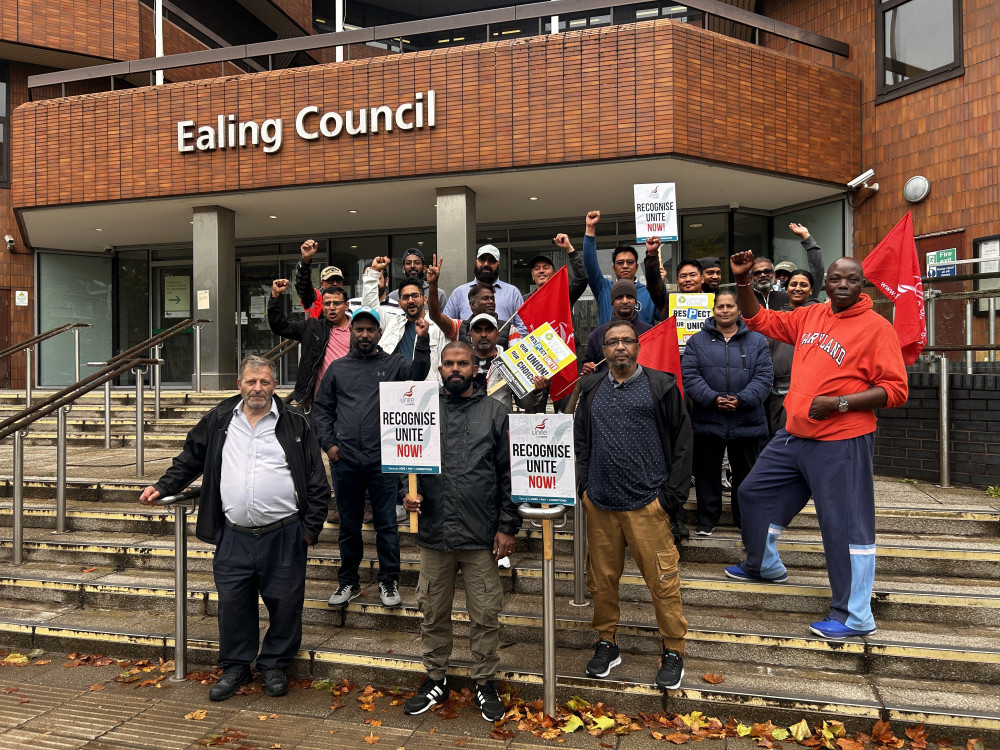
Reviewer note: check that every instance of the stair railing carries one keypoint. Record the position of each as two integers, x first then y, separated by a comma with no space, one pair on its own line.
178,503
29,345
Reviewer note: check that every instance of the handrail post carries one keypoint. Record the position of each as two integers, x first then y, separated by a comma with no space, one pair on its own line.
61,470
140,417
18,521
156,382
76,354
944,480
547,515
107,415
968,337
579,555
27,376
197,358
180,593
993,327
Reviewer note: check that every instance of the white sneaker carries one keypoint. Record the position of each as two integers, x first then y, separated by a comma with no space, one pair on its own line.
389,593
401,514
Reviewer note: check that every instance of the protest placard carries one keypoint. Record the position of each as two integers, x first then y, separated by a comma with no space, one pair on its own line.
691,312
655,211
540,352
542,462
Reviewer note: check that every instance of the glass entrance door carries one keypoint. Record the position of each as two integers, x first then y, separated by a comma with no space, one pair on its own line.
255,335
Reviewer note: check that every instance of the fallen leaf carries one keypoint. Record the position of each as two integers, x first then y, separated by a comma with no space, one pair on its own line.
461,742
98,686
780,734
25,700
847,744
8,691
89,570
275,746
371,738
373,722
678,738
800,731
42,662
715,679
603,722
742,730
197,715
974,744
36,653
573,723
16,659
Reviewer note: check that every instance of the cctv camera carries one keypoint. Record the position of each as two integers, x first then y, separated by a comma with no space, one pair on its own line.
9,240
109,249
861,179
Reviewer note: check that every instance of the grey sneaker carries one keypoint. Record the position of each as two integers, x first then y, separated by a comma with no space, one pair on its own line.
389,592
344,594
401,514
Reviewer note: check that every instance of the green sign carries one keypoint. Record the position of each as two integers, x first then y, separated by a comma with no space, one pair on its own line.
177,296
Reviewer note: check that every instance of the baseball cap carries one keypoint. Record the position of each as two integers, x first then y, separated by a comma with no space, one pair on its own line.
370,311
786,265
710,262
413,251
622,287
489,250
483,316
329,272
540,258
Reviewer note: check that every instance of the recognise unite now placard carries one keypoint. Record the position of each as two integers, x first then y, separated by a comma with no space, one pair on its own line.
410,426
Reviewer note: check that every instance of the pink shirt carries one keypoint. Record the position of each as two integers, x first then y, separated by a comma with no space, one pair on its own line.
336,347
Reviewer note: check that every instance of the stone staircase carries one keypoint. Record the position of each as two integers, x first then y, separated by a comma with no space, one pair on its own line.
107,586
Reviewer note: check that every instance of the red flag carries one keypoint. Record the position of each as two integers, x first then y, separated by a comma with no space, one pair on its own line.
893,267
550,304
658,349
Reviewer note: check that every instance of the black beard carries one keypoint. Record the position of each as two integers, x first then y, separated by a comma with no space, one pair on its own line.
413,273
486,276
456,386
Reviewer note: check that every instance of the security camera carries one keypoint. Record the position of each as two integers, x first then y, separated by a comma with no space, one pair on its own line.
861,179
9,240
109,249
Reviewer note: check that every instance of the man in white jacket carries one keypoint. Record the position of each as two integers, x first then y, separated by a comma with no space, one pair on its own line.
398,333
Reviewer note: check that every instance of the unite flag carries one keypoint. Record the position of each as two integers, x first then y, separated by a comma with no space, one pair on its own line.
658,349
550,304
894,268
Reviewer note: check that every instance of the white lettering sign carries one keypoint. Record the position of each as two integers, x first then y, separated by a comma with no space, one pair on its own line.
542,461
410,427
227,132
655,211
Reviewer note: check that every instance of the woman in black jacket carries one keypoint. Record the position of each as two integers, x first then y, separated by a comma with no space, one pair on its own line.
727,375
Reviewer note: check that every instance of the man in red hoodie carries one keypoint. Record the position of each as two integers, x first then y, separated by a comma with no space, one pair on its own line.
846,364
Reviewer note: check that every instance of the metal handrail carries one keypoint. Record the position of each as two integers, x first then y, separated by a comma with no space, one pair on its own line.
525,12
27,343
180,577
279,351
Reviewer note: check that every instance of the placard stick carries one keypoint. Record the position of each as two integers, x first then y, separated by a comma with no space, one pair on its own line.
413,493
546,537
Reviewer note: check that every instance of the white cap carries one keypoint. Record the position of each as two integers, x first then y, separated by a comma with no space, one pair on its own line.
489,250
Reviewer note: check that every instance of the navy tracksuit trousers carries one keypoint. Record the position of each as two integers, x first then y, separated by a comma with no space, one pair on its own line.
838,476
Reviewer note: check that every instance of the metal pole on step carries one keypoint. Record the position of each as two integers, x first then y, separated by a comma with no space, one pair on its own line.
969,355
181,509
18,521
197,357
61,470
76,353
944,479
156,382
140,463
27,377
579,555
546,515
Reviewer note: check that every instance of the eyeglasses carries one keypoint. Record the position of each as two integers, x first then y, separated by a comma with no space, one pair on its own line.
766,272
615,343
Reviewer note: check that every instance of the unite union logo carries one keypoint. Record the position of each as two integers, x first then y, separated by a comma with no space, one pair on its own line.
539,429
654,192
407,398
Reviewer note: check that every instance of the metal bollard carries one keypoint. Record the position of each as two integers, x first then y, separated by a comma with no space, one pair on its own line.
140,463
61,470
27,377
969,355
76,353
18,521
944,479
180,593
546,516
579,555
156,382
929,297
197,358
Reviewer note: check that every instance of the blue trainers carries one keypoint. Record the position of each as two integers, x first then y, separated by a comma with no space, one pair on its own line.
738,573
830,628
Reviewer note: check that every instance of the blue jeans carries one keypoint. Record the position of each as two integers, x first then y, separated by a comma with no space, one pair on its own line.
349,484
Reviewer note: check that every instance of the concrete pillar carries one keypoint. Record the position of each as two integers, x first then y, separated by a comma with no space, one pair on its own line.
456,235
215,284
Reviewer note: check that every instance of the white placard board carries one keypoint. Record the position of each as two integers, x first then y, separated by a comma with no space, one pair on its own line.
655,211
542,461
410,426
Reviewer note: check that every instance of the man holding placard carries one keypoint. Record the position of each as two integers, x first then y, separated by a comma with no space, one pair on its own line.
346,415
467,522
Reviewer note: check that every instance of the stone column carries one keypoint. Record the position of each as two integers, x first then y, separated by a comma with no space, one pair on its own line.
215,285
456,235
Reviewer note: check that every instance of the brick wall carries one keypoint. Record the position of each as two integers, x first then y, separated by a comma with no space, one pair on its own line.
100,28
908,443
647,89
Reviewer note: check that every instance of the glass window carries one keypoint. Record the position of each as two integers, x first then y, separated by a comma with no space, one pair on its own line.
352,255
825,224
4,124
73,289
919,43
702,236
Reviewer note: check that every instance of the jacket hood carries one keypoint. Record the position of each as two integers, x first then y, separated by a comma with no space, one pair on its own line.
477,393
863,305
741,327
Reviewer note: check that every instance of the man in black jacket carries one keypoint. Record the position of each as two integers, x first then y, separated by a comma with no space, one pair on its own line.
467,522
633,469
264,498
346,417
324,339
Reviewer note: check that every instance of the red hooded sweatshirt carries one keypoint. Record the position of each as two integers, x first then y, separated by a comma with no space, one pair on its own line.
836,354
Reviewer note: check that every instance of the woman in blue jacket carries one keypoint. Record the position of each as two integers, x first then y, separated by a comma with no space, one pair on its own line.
727,375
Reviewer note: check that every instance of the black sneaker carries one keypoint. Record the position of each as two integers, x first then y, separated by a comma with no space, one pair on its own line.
606,658
430,693
485,698
671,670
227,685
679,530
275,682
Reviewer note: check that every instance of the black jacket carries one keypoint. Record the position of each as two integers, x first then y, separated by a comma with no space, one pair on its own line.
672,424
314,333
202,454
741,367
469,501
346,410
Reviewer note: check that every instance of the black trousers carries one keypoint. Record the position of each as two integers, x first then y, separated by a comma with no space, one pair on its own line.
273,567
708,453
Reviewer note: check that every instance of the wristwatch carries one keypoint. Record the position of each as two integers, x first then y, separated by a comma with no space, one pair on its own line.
842,406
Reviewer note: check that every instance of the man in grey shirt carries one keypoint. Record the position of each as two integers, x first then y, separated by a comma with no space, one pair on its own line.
264,498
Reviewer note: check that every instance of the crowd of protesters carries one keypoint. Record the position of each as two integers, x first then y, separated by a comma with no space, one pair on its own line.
783,385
